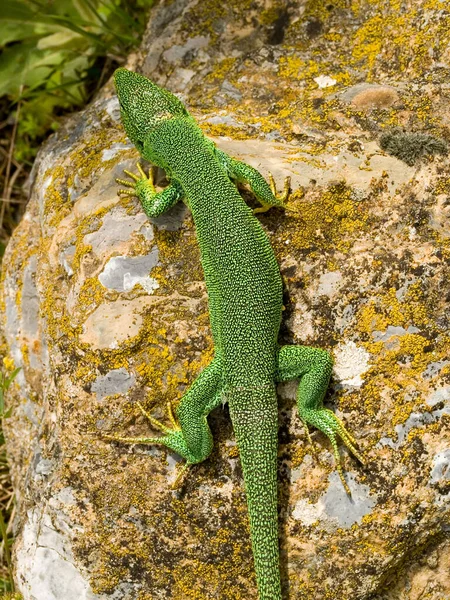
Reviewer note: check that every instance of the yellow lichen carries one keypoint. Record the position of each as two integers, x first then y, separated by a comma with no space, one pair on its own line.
222,130
91,293
57,204
222,69
332,219
368,40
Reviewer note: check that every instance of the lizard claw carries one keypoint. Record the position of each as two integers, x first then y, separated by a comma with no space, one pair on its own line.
176,484
163,428
149,179
286,189
326,421
132,175
280,199
308,436
167,430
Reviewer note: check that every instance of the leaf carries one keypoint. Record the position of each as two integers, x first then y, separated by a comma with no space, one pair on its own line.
14,11
16,22
8,380
24,64
14,373
15,32
60,39
18,12
87,10
18,65
95,38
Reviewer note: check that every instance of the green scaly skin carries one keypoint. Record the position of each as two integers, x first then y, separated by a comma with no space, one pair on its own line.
245,302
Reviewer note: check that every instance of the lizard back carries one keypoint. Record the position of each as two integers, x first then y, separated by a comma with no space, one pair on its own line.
241,272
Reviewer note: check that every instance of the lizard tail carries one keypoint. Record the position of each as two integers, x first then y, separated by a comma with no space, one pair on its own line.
255,421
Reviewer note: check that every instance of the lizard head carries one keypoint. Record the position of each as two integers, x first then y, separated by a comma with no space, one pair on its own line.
144,105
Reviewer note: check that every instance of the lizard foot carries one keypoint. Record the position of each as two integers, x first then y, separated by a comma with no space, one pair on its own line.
138,183
172,439
282,198
325,420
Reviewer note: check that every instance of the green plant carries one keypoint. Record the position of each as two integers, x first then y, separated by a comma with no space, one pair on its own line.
5,381
56,54
409,147
9,583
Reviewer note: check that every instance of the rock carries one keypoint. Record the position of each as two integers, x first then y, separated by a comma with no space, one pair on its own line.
324,81
366,96
103,309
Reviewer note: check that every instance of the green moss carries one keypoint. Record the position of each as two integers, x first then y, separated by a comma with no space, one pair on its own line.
409,147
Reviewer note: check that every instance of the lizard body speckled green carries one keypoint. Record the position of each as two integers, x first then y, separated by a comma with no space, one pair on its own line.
245,301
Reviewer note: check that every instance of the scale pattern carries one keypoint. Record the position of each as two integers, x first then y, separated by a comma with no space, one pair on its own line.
245,301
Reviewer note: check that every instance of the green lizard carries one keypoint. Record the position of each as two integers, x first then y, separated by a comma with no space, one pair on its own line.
245,303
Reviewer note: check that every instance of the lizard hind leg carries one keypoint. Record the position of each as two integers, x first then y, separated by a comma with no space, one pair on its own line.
189,434
172,439
313,366
265,206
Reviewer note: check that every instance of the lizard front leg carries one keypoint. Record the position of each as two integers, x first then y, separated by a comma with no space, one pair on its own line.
243,173
313,366
154,203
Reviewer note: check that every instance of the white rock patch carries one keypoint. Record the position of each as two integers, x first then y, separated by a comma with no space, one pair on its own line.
335,508
122,273
440,471
351,362
324,81
45,565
